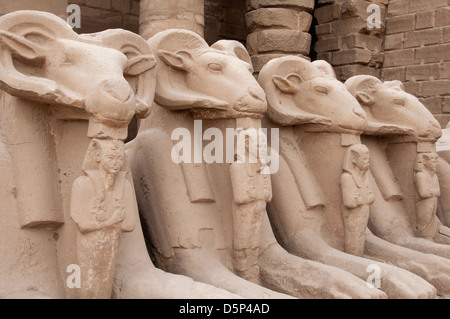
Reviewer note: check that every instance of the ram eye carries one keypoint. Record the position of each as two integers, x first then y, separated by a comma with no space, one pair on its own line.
399,102
215,67
321,89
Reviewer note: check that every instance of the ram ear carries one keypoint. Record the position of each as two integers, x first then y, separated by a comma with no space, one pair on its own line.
287,84
25,41
179,60
360,87
140,71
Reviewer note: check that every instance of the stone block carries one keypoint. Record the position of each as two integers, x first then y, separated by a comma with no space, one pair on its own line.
278,18
398,58
424,20
103,4
445,71
123,6
323,30
393,42
443,17
346,71
424,5
423,37
329,44
327,13
443,119
260,60
307,5
413,87
399,24
351,56
360,40
289,41
422,72
434,53
433,104
397,7
348,26
440,87
446,104
396,73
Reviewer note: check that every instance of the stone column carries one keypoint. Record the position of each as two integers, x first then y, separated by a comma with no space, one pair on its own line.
160,15
277,28
57,7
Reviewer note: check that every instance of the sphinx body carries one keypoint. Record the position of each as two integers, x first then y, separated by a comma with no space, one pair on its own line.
400,133
188,207
67,90
319,121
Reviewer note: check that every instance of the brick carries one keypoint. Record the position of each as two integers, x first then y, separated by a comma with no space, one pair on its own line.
289,41
103,4
323,29
346,71
121,5
260,60
278,17
397,73
362,41
135,7
348,26
327,13
433,104
327,56
423,5
351,56
434,53
440,87
422,72
446,104
445,72
442,17
400,24
307,5
446,34
442,119
397,7
329,44
393,42
424,20
413,88
398,58
423,37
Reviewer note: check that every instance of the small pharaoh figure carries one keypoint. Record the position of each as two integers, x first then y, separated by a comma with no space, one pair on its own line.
427,186
251,190
357,195
102,206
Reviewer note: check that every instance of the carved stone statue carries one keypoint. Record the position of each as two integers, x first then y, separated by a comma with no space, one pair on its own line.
251,192
400,128
320,123
427,186
188,206
443,173
68,89
356,198
103,206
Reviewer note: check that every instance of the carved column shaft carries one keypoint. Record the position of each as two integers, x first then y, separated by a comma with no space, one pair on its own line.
160,15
